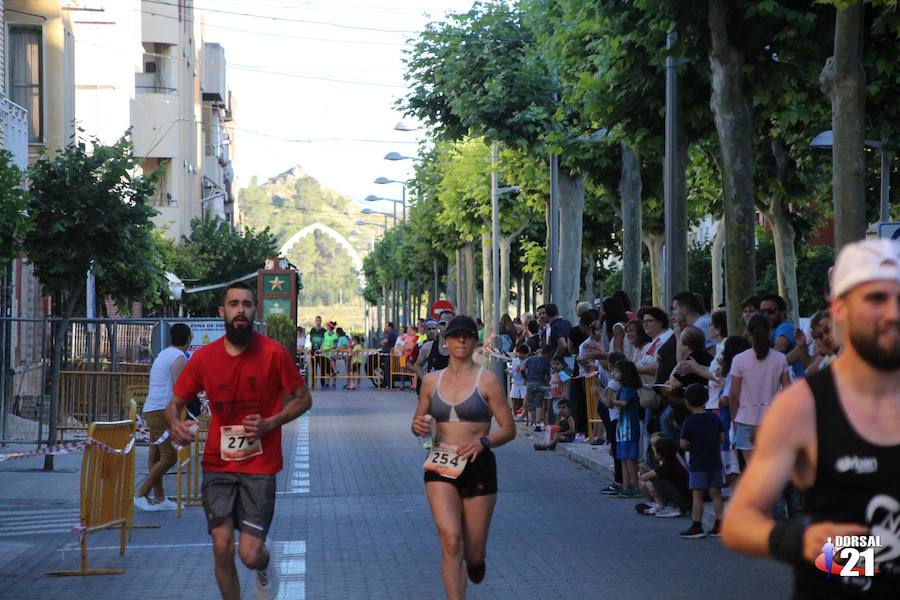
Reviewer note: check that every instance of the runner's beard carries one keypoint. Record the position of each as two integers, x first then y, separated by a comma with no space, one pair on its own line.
238,335
871,351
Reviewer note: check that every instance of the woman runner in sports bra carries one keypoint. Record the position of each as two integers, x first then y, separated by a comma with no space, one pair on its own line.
460,470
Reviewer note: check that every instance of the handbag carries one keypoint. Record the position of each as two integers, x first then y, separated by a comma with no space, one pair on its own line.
649,399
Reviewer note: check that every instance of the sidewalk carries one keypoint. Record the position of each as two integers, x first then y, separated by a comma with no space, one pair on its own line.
595,458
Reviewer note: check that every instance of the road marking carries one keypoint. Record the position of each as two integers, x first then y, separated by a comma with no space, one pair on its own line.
299,479
37,522
292,569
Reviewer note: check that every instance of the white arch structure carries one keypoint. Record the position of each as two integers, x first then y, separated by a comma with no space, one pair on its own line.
341,240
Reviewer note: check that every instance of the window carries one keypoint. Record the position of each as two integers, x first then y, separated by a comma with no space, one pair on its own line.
26,77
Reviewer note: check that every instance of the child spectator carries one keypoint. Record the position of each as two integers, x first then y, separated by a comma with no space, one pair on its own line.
628,431
517,389
559,384
537,379
611,419
534,336
565,426
356,362
702,434
666,484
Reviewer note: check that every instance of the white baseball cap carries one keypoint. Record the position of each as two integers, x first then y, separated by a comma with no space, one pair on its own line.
865,261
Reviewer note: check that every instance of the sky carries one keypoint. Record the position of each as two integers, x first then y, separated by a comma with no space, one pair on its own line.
315,84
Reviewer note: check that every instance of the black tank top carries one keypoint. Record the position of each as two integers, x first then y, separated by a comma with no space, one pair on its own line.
436,361
856,482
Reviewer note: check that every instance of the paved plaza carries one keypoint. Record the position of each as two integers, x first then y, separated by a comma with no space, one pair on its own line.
352,522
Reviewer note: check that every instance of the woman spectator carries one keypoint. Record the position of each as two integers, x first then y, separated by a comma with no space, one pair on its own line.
638,340
656,325
694,354
507,334
614,319
757,375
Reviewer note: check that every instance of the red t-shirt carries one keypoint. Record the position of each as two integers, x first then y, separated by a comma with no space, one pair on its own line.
253,382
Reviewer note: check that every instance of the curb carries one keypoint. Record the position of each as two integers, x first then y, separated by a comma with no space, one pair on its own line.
590,457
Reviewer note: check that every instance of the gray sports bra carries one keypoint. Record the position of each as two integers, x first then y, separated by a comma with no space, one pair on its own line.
473,408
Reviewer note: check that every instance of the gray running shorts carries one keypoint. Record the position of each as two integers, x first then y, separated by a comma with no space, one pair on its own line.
249,500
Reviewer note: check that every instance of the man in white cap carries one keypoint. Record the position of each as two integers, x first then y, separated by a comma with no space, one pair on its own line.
836,435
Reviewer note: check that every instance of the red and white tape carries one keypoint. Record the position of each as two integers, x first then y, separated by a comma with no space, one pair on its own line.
69,448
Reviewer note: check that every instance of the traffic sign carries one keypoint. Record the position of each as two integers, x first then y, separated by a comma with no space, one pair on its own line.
440,306
889,230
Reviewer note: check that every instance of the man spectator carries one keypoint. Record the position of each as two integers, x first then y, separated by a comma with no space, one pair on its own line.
316,337
533,340
774,308
825,348
557,332
687,308
167,366
385,346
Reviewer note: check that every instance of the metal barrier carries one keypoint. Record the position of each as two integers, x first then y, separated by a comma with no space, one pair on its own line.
400,370
189,468
592,391
87,396
107,487
331,366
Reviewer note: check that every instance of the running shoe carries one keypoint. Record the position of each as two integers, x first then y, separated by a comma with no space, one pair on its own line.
142,503
668,512
476,572
267,581
694,532
716,530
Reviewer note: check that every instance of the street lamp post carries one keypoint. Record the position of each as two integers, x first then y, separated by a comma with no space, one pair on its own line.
825,140
395,156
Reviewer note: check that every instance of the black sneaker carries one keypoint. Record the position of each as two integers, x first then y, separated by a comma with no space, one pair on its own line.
476,572
695,531
716,530
612,488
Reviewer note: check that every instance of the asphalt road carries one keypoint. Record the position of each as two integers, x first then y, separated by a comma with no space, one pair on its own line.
352,522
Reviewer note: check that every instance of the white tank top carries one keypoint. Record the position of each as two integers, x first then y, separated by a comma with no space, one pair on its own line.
161,381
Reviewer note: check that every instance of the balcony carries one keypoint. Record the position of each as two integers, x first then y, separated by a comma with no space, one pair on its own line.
15,129
161,22
212,81
156,119
148,83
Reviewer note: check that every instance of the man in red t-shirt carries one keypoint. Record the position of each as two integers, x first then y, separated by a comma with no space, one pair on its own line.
254,388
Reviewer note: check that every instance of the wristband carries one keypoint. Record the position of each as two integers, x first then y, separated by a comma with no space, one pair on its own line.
786,540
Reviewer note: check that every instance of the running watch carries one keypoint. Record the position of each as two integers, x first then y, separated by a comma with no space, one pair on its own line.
486,442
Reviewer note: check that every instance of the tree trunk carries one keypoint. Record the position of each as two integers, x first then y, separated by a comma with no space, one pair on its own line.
545,284
718,255
589,277
505,249
654,243
59,337
469,251
451,280
486,278
571,222
526,289
731,111
844,80
630,186
784,235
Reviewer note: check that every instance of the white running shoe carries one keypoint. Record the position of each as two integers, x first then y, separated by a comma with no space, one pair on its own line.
142,503
267,579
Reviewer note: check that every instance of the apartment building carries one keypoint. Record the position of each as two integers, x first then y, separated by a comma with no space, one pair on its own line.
218,174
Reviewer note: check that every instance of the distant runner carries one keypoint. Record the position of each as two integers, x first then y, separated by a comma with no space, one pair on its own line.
460,469
254,389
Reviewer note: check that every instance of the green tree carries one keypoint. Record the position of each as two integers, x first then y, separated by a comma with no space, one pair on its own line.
223,252
14,216
89,210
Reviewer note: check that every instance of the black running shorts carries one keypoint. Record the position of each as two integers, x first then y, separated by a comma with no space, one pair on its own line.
249,500
479,478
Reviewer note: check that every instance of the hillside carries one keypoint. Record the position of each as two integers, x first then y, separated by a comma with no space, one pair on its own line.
293,200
